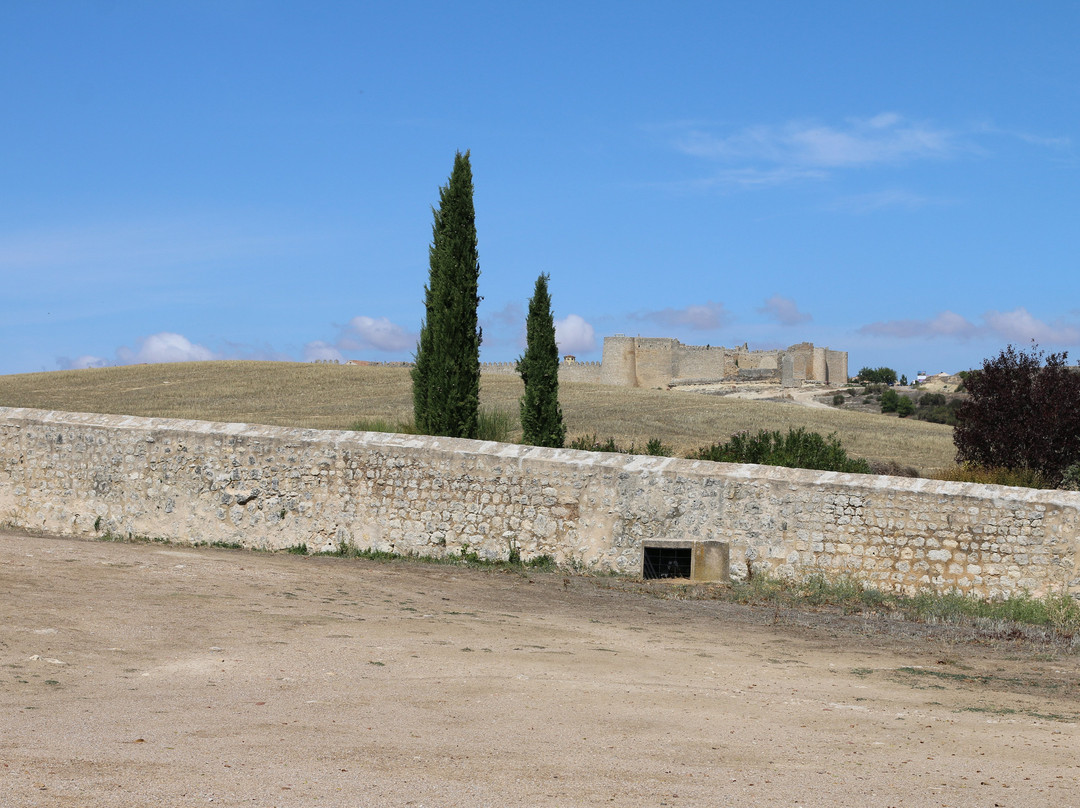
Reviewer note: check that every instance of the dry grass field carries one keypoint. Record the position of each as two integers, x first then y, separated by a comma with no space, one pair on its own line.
337,396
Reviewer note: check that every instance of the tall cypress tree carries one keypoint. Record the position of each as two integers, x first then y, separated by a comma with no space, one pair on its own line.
541,415
446,376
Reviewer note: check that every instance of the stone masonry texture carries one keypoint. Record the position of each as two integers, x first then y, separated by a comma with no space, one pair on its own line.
271,487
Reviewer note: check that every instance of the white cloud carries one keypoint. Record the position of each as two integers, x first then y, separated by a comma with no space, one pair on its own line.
164,347
319,351
574,335
944,324
784,310
1019,326
82,362
375,333
699,317
883,138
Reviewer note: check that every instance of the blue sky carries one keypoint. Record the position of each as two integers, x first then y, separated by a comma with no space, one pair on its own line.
233,179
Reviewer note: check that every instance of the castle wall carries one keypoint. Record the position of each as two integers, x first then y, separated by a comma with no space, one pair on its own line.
701,361
660,362
568,371
619,364
655,362
836,362
818,371
580,372
270,487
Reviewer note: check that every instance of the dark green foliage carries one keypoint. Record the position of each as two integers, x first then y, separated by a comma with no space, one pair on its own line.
657,449
1023,413
904,406
890,400
541,415
880,375
590,443
934,408
903,380
838,400
798,449
446,376
1070,479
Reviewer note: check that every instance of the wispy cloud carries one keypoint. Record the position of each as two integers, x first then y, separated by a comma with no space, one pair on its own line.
375,333
362,334
1017,325
944,324
574,335
698,317
117,249
884,138
81,362
880,200
784,310
319,351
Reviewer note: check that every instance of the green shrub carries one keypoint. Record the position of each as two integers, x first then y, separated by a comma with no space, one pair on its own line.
905,407
1070,478
382,425
495,423
591,443
657,449
838,400
890,400
932,400
798,449
882,375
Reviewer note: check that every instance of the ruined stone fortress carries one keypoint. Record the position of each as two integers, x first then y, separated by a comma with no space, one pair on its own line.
666,362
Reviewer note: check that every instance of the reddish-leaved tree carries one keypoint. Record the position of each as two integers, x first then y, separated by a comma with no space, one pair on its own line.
1023,412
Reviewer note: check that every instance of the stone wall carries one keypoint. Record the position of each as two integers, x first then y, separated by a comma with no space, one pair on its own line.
270,487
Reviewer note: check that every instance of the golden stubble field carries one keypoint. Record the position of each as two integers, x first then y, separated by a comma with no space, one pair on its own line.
337,396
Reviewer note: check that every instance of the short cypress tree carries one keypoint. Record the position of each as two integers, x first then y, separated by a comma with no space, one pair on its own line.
541,415
446,376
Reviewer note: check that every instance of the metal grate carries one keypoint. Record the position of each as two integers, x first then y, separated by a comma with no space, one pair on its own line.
666,562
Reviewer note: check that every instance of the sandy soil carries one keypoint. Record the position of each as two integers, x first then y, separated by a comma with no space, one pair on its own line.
135,675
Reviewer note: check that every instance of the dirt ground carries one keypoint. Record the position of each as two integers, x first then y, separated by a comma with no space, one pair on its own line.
139,675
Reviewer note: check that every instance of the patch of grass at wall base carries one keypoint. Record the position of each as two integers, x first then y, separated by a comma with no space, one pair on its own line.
465,557
1058,613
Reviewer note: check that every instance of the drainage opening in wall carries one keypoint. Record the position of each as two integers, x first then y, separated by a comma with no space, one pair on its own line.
699,560
666,562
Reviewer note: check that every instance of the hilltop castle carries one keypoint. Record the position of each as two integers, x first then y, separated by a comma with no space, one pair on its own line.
666,362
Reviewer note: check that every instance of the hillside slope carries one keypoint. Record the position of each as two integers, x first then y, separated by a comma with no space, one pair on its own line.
336,396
